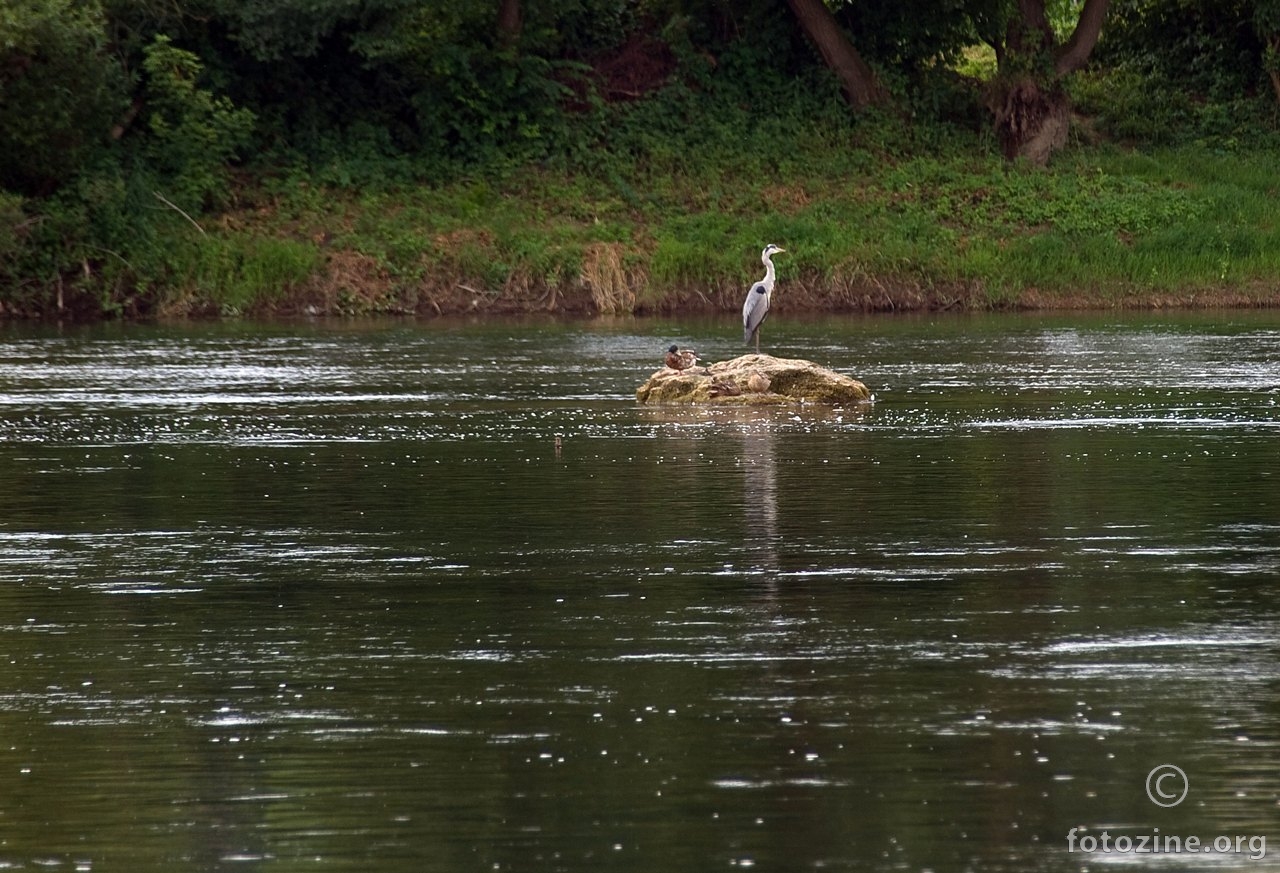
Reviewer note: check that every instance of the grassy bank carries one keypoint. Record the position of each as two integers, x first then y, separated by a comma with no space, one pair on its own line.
867,227
1103,227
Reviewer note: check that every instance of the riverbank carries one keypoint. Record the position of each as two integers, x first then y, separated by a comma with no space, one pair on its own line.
1104,227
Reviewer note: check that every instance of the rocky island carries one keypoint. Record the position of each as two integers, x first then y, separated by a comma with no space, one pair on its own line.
754,380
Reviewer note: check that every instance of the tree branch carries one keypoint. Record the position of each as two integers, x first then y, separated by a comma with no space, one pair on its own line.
1076,52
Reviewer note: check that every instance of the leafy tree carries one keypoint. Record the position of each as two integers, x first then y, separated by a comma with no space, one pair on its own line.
60,91
271,30
1192,68
479,80
1209,47
1028,103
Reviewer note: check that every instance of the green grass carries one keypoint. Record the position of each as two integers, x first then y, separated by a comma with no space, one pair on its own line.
235,273
1103,223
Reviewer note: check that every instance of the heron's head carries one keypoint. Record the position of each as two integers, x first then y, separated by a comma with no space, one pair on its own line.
673,350
771,249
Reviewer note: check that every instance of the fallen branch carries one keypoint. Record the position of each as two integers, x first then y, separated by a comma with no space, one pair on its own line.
108,252
167,202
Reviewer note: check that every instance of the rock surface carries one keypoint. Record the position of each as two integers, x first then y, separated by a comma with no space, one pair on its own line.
785,381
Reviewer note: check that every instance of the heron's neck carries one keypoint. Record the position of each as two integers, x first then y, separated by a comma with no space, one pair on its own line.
768,271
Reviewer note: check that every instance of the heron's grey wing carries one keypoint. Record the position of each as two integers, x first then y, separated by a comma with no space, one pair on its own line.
754,310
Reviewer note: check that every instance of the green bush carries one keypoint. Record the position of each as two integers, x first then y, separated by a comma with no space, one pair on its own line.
192,134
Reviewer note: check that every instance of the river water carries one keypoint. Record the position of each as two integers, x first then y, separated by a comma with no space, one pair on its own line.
328,597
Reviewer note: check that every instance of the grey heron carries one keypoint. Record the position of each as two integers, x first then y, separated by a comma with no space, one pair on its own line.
756,306
681,359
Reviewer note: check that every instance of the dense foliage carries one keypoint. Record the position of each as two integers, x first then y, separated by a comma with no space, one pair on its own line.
136,135
1180,70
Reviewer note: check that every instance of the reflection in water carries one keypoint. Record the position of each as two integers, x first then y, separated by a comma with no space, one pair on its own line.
344,599
760,495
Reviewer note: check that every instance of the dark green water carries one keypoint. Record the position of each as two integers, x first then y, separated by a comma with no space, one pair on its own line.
326,598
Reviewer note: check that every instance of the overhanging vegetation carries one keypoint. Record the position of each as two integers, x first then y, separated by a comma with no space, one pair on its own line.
219,158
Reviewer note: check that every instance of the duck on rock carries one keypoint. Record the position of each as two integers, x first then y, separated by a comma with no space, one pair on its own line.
681,359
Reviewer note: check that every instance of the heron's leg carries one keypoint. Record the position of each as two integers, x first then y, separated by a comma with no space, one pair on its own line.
757,340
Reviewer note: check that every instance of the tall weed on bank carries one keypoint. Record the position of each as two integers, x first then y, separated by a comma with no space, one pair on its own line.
232,274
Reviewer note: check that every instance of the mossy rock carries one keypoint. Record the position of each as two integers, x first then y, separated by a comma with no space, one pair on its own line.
754,380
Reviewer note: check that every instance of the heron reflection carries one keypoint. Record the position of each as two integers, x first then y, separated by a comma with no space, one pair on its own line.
760,493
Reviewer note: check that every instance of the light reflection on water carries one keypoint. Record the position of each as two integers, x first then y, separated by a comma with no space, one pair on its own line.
319,597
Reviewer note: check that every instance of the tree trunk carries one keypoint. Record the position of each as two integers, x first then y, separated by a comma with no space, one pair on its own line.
1029,31
510,22
1032,112
861,85
1031,121
1274,73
